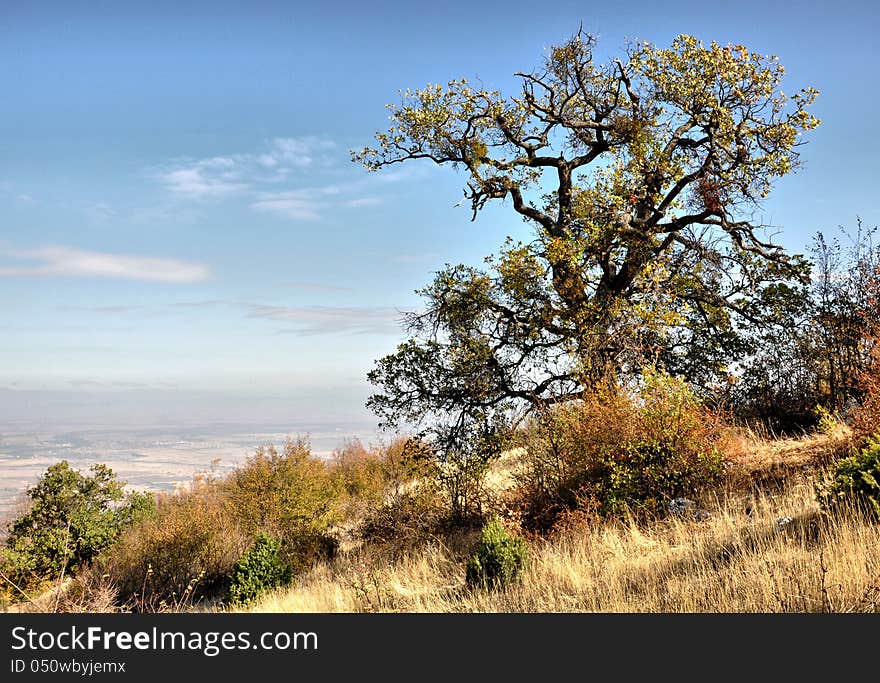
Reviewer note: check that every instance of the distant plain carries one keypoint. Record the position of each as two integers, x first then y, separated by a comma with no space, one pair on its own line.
155,457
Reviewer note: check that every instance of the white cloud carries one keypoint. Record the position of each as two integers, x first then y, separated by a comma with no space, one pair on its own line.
304,204
309,320
363,201
219,176
318,287
68,261
299,152
267,179
197,182
297,209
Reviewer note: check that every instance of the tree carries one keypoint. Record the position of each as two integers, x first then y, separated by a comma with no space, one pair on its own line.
822,351
638,177
72,517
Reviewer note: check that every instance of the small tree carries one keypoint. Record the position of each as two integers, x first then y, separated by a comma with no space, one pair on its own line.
822,350
290,495
72,518
461,452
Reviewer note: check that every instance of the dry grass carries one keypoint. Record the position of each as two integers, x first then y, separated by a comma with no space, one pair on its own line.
88,593
740,559
756,454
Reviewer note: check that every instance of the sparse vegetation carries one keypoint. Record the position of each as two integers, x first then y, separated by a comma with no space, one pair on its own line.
738,559
757,548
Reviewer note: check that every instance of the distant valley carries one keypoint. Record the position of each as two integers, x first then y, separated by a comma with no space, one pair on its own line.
157,458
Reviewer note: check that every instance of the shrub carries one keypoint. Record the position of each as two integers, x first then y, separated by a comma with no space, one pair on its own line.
289,495
866,415
403,522
188,550
182,554
856,480
457,456
360,476
72,518
258,570
618,451
647,474
498,558
404,460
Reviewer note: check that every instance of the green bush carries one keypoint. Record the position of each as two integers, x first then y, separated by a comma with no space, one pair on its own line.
646,475
856,480
498,559
258,570
72,518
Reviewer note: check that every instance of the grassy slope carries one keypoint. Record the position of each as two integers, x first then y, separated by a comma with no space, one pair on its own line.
738,560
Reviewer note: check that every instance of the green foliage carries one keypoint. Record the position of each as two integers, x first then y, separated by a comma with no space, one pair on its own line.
646,475
856,481
258,570
619,451
498,558
72,518
827,421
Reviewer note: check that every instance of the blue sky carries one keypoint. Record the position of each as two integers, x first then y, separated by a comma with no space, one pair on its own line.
179,216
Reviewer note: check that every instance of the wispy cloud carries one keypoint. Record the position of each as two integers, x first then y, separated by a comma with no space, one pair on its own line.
110,310
202,180
278,179
364,201
68,261
299,152
412,258
312,320
318,287
303,204
220,176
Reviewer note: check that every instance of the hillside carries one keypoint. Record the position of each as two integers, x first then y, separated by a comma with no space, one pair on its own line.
757,543
763,548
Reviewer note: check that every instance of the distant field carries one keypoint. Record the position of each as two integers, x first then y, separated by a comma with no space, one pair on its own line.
151,458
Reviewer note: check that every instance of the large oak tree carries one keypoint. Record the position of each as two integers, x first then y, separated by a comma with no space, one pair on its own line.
640,178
